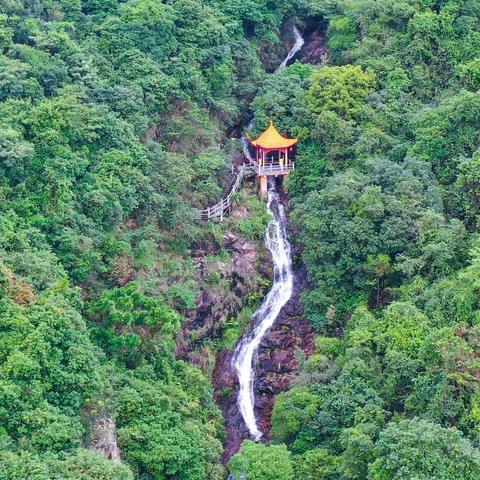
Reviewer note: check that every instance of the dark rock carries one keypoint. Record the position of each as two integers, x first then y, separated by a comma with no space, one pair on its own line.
214,306
276,366
315,50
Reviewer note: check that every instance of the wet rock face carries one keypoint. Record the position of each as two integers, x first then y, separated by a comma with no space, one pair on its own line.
244,255
248,261
276,366
278,358
278,355
315,50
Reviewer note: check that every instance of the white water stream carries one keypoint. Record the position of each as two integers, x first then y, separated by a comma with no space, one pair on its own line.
299,41
281,291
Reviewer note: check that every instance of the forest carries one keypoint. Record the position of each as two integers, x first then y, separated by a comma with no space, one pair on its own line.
116,118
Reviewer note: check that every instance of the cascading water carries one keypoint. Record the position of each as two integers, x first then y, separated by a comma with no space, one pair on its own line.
281,291
245,144
299,42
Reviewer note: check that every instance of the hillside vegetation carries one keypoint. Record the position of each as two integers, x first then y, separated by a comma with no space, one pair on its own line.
114,125
386,203
112,121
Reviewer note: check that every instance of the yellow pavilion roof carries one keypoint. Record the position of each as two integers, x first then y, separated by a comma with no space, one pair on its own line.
270,138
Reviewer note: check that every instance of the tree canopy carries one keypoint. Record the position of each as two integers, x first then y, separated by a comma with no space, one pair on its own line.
116,118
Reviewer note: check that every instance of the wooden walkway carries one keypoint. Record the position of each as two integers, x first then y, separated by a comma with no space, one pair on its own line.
223,206
219,210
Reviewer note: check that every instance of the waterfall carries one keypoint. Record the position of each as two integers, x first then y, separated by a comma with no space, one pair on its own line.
281,291
299,41
246,143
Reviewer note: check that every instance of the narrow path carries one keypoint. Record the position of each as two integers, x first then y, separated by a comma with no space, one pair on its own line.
220,209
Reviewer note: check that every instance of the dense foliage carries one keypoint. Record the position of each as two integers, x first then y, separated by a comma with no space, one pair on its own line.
385,202
112,133
113,124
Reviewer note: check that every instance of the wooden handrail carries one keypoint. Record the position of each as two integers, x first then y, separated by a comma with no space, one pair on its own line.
219,209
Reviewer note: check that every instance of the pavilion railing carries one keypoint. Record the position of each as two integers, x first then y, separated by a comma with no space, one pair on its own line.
272,169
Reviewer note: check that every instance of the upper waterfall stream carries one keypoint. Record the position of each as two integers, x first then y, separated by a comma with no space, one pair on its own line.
281,291
299,42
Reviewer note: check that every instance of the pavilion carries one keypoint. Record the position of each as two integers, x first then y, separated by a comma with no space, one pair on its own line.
273,155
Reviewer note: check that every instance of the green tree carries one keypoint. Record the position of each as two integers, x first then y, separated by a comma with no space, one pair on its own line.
340,89
379,266
131,326
468,185
445,134
355,217
419,449
290,411
317,464
261,462
170,428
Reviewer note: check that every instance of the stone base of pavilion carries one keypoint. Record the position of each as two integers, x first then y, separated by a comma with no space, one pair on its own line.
270,170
